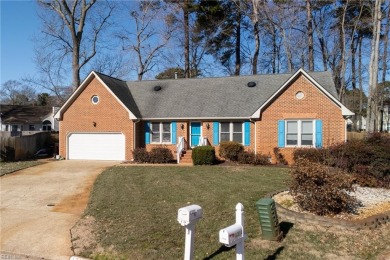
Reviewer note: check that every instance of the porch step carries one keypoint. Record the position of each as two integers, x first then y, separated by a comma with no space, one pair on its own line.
186,157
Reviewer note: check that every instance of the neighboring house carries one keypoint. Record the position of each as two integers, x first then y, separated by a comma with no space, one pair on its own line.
25,120
362,126
107,118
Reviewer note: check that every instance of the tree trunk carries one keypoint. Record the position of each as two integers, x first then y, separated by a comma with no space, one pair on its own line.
274,52
256,35
238,42
384,62
359,43
257,48
75,66
310,35
287,49
353,71
373,70
341,65
186,40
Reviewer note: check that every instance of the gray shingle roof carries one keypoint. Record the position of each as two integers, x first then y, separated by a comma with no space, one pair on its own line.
23,114
121,90
227,97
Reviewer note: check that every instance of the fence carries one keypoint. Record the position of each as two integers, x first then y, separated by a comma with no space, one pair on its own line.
356,135
21,147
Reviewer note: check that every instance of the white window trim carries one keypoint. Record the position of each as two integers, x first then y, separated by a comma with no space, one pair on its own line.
231,127
160,133
300,132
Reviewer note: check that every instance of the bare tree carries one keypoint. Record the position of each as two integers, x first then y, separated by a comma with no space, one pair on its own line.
149,38
69,34
50,74
373,69
13,92
112,65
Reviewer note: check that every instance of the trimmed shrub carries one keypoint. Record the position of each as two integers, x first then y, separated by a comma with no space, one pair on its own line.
245,157
368,160
279,157
230,150
141,155
203,155
311,154
321,189
160,155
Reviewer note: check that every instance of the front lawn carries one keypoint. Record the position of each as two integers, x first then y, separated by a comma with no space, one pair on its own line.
9,167
134,209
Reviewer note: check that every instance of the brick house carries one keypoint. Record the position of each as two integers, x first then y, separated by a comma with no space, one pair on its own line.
107,118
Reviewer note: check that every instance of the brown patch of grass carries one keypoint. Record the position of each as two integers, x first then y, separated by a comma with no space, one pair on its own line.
76,203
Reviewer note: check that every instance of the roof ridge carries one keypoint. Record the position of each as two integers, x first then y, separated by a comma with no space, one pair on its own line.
111,77
223,77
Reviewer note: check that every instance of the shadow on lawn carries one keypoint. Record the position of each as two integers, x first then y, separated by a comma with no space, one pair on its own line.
274,255
220,250
285,227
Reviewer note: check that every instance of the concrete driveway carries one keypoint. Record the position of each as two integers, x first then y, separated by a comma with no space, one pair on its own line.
40,205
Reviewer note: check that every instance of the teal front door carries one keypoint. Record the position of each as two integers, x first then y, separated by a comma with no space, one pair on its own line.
195,133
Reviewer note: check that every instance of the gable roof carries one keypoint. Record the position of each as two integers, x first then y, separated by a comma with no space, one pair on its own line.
118,88
332,96
203,98
17,114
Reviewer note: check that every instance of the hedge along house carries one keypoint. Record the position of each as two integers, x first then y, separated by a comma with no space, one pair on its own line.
107,118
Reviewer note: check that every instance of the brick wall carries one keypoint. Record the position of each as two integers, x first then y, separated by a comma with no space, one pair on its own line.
314,105
109,115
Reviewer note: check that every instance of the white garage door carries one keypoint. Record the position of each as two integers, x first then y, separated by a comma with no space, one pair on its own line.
96,146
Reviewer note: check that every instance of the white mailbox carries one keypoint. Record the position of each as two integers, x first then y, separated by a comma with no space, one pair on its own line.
188,215
231,235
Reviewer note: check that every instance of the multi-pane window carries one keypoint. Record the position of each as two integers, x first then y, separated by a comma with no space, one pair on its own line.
231,131
160,132
300,132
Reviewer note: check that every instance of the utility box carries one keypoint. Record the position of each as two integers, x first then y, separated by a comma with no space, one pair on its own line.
268,217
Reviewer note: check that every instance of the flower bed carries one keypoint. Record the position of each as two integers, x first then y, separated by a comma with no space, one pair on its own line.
367,216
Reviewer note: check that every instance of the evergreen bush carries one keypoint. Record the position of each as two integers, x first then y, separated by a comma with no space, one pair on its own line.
203,155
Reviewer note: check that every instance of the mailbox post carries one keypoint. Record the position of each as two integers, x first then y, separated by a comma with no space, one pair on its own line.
188,217
234,235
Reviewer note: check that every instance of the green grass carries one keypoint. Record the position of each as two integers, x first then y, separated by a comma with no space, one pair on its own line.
9,167
136,209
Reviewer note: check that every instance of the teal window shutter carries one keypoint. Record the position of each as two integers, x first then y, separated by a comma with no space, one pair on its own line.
173,133
247,133
281,133
147,132
318,134
215,133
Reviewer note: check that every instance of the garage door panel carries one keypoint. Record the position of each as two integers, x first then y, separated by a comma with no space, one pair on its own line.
96,146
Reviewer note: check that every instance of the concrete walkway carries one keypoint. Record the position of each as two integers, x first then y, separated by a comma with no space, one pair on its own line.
40,205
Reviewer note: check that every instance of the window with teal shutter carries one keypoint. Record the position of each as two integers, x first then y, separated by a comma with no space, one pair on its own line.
147,132
318,133
281,135
173,126
215,133
247,133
